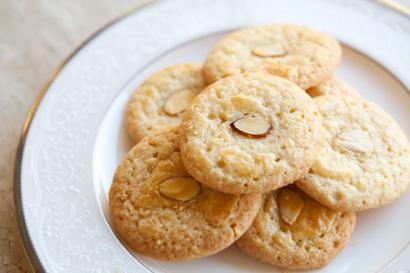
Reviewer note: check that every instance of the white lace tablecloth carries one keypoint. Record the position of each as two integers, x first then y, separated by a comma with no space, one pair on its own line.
35,36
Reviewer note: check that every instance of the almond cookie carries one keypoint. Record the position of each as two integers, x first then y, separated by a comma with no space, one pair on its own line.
294,231
332,87
365,161
250,133
162,98
162,212
297,53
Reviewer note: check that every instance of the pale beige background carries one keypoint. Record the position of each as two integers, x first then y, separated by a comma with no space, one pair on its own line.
35,36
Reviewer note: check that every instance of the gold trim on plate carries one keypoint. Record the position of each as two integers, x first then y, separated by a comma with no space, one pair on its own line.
396,6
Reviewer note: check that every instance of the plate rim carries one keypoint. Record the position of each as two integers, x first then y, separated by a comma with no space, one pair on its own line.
28,246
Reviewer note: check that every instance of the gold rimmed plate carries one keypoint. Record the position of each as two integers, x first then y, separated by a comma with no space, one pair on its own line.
75,135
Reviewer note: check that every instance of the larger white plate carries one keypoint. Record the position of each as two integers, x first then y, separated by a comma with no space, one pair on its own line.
75,139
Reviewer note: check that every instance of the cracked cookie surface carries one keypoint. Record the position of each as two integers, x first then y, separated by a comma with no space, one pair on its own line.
225,153
146,216
311,241
365,160
160,100
297,53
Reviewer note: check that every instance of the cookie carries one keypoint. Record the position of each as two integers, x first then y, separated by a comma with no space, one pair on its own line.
332,87
294,231
365,161
162,212
162,98
297,53
250,133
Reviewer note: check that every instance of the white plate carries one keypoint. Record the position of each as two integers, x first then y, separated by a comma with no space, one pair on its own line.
77,136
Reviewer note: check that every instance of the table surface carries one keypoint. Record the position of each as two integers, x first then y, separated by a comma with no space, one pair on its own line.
35,37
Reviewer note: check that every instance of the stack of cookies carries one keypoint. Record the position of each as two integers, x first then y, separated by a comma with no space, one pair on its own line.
260,146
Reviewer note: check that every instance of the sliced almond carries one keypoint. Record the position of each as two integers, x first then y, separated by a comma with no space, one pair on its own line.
269,51
180,188
178,102
252,126
355,140
290,205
